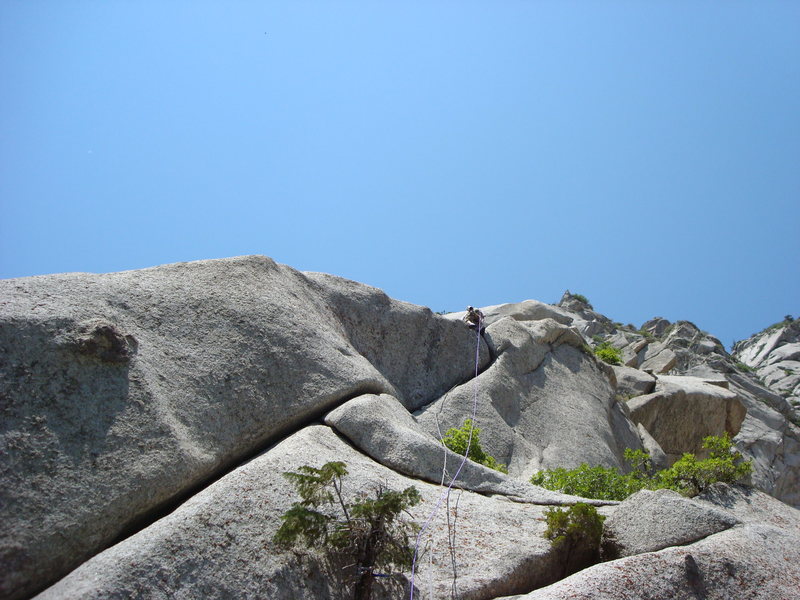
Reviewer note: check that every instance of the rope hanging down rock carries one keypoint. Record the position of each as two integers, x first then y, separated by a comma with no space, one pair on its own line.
474,318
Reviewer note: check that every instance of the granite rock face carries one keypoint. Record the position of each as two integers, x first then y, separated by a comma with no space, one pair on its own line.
543,403
123,392
653,520
148,417
684,410
774,354
381,428
633,382
769,435
757,558
219,543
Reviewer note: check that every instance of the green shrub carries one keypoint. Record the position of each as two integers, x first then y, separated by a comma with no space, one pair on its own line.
457,439
364,535
598,482
640,462
648,335
577,532
787,321
744,367
582,298
607,353
691,476
585,481
688,475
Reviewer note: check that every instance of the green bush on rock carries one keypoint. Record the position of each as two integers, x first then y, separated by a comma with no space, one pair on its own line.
691,476
607,353
688,475
583,299
598,482
576,531
458,438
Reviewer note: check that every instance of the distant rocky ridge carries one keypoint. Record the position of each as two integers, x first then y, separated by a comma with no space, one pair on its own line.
769,432
774,355
148,415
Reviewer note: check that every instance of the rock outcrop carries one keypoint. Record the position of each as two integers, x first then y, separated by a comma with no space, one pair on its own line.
543,403
769,435
774,354
148,417
650,521
124,392
684,410
756,559
219,544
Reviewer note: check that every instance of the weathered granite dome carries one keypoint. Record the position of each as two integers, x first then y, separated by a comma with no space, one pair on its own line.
148,416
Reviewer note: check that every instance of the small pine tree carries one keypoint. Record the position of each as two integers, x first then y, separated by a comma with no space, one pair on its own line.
691,476
368,532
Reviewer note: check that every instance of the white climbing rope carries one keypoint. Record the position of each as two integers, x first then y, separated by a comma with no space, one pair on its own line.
445,495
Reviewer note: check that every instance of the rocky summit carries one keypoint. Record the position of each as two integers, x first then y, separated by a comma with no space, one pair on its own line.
148,418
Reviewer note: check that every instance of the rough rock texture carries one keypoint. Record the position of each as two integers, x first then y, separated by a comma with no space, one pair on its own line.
684,410
653,520
769,435
417,352
219,544
769,440
527,310
122,392
759,559
585,320
656,326
775,355
381,428
749,505
657,455
543,403
659,359
130,395
633,382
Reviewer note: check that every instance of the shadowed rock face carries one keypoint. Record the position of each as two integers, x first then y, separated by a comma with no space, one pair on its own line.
187,389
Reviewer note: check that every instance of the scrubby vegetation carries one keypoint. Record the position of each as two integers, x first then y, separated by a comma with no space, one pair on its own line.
598,482
577,531
607,353
787,320
362,536
458,439
691,476
688,475
648,335
582,298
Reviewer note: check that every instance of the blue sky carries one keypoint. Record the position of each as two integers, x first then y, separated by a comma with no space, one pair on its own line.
645,154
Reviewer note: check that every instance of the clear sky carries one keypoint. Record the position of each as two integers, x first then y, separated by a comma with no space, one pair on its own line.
644,154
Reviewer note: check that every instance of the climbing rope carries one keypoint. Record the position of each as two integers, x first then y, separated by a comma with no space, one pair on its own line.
445,495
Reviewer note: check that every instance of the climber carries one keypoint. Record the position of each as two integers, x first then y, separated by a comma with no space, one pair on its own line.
474,317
